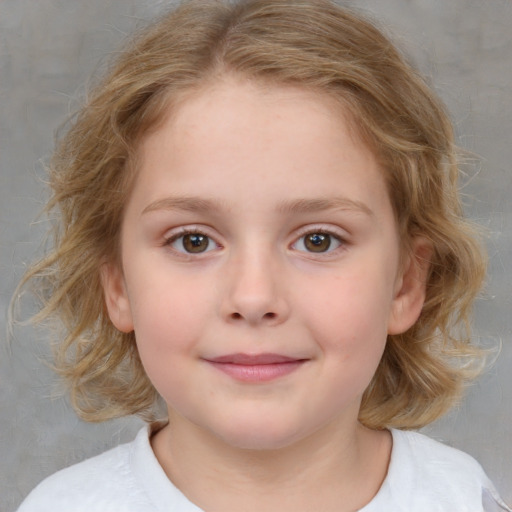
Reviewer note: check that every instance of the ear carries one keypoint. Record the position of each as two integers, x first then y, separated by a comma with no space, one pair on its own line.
410,288
116,297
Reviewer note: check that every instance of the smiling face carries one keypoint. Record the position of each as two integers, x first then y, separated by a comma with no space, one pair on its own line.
260,265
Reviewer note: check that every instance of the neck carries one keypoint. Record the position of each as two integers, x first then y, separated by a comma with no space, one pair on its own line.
331,467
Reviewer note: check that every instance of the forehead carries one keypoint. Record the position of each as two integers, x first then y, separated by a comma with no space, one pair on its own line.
235,133
231,107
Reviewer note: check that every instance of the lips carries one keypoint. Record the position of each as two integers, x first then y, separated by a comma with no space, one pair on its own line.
257,359
257,367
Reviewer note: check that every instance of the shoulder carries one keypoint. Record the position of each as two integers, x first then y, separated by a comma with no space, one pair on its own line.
425,473
104,481
431,457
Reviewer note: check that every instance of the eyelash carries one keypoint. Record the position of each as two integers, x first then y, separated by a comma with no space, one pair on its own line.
321,231
183,232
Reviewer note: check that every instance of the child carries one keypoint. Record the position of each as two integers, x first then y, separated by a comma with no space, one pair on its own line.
259,223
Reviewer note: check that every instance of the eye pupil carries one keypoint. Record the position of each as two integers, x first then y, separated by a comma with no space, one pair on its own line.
195,243
317,242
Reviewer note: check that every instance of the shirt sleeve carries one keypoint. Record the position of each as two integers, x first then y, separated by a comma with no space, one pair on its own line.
493,503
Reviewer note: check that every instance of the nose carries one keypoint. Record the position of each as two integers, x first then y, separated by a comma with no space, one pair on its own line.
255,292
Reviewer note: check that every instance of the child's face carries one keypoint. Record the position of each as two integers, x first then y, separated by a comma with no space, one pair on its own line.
260,265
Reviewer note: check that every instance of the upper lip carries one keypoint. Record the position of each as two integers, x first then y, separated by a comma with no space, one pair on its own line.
254,359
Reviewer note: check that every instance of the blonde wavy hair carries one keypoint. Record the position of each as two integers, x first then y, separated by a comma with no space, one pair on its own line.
314,44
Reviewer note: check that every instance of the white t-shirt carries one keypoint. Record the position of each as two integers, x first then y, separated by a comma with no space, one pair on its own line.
423,476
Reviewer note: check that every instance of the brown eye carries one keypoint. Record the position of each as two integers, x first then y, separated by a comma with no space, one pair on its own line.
317,242
191,243
195,242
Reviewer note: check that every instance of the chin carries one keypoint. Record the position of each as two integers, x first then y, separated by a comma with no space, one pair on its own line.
260,436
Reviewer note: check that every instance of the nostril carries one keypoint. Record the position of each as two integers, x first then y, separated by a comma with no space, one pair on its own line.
266,316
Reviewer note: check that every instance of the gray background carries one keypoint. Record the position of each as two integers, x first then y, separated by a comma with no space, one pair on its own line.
48,49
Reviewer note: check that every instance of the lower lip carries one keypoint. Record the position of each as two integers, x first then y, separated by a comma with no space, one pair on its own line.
258,372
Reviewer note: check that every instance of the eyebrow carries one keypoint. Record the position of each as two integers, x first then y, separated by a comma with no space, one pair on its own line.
184,203
301,205
323,204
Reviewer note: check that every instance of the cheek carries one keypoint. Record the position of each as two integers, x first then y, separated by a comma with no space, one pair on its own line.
355,299
165,336
170,315
348,314
166,303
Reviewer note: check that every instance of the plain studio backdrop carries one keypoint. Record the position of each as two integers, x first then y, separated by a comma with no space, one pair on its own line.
49,49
